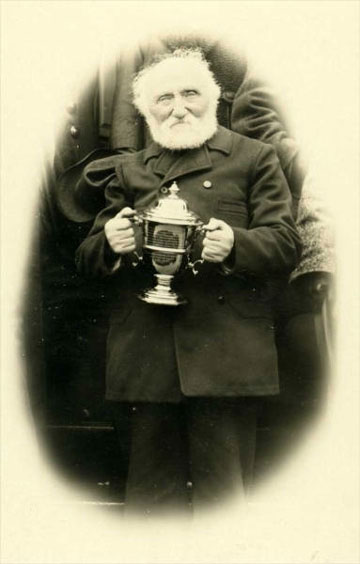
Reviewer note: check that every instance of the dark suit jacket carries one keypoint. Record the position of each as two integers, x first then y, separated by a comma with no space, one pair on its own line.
222,342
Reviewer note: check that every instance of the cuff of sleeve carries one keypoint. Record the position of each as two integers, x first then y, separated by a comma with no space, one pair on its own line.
227,267
112,259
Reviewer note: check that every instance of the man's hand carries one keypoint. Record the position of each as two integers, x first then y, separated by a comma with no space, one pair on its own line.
218,242
120,233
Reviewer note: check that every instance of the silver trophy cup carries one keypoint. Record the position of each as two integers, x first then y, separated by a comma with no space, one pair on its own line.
169,230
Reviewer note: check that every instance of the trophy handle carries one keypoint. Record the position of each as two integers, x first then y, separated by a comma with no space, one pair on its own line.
192,265
138,259
199,230
136,219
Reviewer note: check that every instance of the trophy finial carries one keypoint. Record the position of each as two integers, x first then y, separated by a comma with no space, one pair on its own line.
174,189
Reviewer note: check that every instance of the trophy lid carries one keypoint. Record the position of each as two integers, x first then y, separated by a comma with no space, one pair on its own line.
172,209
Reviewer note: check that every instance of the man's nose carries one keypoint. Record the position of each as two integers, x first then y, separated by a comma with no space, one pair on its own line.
179,109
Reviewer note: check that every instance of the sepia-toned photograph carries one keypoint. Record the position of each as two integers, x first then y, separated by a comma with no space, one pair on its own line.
177,311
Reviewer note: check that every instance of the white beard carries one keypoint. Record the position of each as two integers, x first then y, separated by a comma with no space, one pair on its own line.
189,134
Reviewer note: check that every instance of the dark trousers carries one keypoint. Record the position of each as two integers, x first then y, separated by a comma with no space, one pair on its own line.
191,454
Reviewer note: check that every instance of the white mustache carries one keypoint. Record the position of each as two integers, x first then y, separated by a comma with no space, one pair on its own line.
180,121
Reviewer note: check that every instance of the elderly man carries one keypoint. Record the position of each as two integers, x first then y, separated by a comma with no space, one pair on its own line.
192,375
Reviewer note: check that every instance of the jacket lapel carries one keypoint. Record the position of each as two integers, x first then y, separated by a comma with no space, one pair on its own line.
173,165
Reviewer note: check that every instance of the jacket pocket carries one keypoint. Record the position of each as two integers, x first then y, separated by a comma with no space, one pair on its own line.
232,206
234,212
249,304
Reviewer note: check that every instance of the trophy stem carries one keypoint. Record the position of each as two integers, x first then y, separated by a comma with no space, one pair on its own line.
162,292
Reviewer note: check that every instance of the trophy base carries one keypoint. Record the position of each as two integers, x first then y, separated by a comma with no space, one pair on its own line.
162,294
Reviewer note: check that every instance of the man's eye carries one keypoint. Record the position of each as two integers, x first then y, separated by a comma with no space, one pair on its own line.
191,93
164,98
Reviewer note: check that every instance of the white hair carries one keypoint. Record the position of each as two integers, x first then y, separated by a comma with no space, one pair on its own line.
193,55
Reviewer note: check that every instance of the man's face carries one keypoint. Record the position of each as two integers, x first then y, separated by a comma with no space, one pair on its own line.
181,106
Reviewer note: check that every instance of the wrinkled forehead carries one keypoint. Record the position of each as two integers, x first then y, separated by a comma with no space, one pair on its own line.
176,75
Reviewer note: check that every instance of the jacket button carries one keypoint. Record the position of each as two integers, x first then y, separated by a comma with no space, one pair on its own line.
207,184
74,132
228,95
221,300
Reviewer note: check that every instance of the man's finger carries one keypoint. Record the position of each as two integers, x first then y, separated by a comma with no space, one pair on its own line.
119,248
126,212
126,230
213,235
211,257
216,243
214,224
122,240
213,250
